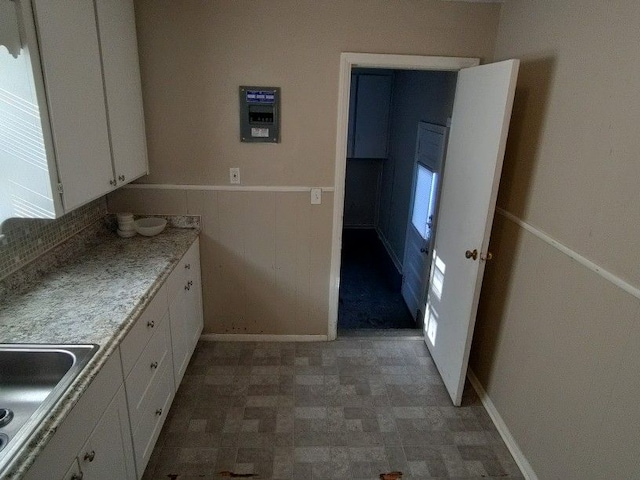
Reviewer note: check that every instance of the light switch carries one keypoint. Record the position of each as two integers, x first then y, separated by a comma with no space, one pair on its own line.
316,196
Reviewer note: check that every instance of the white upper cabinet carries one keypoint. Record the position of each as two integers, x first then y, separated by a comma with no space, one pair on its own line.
121,70
70,56
81,59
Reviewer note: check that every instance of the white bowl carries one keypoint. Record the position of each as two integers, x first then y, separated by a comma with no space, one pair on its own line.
150,226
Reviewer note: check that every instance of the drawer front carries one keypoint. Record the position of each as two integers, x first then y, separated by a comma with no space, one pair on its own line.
133,344
144,376
152,418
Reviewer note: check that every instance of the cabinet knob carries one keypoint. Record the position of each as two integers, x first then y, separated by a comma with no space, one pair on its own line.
187,287
154,365
121,178
113,182
90,456
190,283
77,476
151,324
159,412
188,266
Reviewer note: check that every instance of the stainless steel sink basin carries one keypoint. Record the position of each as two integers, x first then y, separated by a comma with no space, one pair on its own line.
32,379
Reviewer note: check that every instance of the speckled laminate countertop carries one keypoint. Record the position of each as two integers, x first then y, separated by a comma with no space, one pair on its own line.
94,298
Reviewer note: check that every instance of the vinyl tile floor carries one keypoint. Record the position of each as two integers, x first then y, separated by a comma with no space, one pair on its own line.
348,410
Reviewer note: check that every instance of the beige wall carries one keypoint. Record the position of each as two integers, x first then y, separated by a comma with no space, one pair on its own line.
556,344
266,256
195,54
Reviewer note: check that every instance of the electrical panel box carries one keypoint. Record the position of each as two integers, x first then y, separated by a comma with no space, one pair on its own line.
260,114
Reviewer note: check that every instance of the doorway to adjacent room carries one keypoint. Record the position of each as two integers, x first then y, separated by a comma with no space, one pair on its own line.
397,122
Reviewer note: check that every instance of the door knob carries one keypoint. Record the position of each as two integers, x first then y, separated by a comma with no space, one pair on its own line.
486,256
424,250
470,254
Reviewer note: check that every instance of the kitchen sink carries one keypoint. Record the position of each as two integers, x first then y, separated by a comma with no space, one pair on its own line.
32,379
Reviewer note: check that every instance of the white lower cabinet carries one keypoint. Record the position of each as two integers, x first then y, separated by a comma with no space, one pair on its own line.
111,432
185,309
157,350
149,381
94,441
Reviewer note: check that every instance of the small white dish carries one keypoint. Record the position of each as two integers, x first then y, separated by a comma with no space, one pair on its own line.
124,217
126,225
126,233
150,226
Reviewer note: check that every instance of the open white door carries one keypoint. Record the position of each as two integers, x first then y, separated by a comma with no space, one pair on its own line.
479,125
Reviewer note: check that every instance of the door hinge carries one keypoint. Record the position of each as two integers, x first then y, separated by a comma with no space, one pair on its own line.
60,189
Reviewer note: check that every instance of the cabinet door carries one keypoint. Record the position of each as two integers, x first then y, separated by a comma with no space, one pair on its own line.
179,320
373,105
70,56
117,26
195,296
108,454
74,472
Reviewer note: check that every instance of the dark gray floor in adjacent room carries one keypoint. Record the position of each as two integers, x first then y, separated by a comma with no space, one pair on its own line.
344,410
369,285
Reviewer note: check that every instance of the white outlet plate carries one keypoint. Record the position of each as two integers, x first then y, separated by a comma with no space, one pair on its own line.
316,196
234,175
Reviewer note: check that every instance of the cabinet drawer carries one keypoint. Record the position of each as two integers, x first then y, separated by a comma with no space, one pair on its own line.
152,418
133,344
146,373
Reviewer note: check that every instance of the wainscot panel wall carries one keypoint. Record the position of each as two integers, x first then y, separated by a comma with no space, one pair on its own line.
263,254
556,344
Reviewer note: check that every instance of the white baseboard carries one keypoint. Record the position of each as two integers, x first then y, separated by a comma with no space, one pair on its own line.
248,337
502,428
387,247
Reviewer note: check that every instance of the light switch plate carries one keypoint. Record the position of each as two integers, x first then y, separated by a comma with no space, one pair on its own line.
316,196
234,175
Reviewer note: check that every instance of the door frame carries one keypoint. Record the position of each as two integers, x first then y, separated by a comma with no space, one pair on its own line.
348,61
